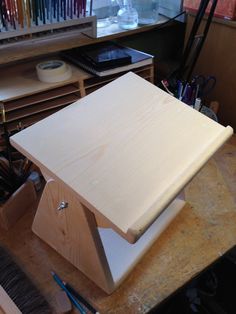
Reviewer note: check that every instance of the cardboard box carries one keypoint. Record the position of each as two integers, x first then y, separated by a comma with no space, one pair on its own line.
225,9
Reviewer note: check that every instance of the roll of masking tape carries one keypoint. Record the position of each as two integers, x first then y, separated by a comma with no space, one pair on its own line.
53,71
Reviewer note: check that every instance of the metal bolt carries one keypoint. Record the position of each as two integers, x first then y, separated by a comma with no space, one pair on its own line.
62,205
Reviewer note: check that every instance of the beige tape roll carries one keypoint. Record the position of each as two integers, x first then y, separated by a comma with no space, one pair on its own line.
53,71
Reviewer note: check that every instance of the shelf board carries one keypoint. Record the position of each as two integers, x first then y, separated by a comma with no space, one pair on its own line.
28,49
21,80
40,97
97,81
43,106
29,120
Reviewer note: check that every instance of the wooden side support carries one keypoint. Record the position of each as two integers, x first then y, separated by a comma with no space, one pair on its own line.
71,231
100,253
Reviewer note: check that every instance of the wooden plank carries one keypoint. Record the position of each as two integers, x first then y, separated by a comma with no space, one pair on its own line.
128,149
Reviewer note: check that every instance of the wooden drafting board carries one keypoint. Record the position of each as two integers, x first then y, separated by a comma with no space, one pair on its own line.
117,158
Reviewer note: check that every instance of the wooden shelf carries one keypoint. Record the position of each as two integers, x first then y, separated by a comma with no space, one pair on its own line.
27,121
87,25
28,100
93,83
31,48
18,81
38,98
42,106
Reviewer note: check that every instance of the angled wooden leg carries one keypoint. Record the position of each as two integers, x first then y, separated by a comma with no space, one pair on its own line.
70,228
100,253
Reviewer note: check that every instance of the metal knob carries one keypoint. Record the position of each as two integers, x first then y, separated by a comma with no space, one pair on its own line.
62,205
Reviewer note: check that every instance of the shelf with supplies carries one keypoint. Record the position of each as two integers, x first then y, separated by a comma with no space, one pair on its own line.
19,50
27,100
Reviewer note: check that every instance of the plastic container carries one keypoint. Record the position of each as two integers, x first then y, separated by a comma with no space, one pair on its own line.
127,16
148,11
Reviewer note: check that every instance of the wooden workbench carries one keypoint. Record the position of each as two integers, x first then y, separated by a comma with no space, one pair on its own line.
201,233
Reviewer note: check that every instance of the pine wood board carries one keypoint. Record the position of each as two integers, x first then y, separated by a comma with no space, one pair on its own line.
134,148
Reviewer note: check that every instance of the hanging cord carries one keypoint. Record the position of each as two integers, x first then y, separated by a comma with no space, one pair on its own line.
171,19
201,11
205,32
193,47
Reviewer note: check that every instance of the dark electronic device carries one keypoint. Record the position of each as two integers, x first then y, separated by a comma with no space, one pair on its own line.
106,56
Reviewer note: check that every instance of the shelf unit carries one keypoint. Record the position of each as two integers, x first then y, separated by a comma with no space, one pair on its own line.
85,25
27,100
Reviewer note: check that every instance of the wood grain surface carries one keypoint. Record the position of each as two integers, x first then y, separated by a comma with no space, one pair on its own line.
126,150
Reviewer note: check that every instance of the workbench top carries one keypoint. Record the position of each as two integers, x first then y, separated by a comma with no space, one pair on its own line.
201,233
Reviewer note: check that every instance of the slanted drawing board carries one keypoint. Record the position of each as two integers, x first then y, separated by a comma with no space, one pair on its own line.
115,162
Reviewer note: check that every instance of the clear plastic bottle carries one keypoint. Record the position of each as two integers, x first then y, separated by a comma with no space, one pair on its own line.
127,16
147,11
